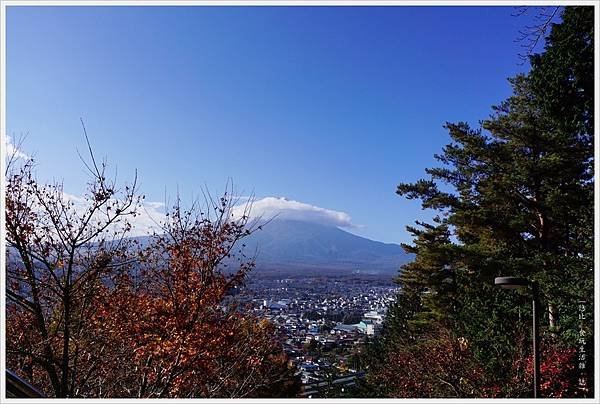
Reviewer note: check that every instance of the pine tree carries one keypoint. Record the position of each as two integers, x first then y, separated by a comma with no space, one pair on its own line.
516,198
430,279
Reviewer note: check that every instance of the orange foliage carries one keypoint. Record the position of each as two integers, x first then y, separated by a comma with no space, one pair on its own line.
92,313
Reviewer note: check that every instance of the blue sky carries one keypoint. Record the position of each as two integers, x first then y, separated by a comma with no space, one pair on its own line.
328,106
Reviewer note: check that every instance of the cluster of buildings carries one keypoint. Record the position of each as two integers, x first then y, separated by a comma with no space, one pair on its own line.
324,324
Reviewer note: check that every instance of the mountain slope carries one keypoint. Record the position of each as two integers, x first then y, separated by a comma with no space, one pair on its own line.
289,243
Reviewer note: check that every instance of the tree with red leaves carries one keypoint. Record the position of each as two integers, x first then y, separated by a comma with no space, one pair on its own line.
93,313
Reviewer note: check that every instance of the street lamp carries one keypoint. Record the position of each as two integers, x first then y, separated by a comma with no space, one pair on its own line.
509,282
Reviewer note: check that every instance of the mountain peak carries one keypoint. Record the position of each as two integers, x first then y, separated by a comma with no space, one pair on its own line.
285,243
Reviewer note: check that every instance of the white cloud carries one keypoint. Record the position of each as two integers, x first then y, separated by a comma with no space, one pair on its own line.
150,215
11,150
283,208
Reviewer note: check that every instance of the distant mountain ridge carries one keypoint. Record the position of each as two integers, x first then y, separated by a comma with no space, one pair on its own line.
286,244
294,247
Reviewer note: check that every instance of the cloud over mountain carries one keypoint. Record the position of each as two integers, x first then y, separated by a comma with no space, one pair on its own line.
287,209
152,214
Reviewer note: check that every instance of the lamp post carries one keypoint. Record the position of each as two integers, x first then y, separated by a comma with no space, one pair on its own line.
510,282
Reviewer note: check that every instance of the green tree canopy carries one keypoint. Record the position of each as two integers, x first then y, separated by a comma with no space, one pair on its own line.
514,198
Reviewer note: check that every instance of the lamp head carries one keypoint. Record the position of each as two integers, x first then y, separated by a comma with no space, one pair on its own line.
510,282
